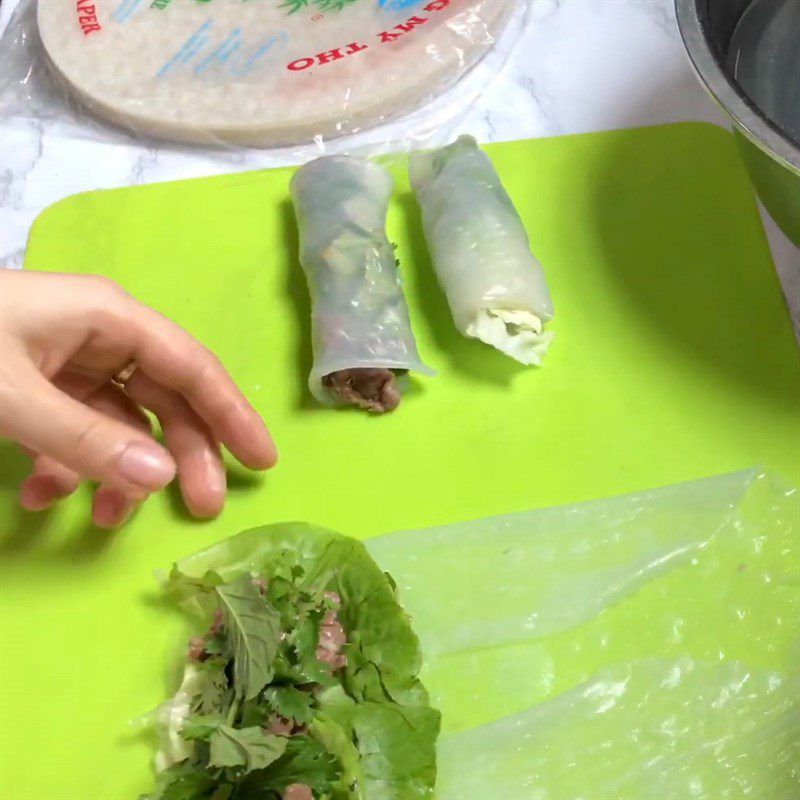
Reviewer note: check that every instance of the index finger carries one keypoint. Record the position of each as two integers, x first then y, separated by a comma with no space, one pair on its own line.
171,356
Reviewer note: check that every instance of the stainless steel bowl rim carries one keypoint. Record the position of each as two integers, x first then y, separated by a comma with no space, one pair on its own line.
721,87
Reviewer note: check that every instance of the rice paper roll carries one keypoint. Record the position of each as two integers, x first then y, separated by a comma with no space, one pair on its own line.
361,331
495,286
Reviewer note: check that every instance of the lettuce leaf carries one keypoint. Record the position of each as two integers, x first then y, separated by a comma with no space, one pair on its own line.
391,744
362,732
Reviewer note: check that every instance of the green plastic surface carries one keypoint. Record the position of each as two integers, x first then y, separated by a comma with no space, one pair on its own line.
674,359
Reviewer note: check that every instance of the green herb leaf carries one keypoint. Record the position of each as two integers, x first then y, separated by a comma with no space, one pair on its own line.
253,628
305,637
336,739
182,782
215,694
199,727
303,640
215,646
249,747
291,703
255,713
305,761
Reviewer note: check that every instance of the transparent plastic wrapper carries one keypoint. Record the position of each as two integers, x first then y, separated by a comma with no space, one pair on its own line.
637,647
480,251
265,74
362,335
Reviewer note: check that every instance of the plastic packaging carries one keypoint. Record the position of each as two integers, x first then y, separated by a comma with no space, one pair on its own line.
639,647
360,318
258,73
480,250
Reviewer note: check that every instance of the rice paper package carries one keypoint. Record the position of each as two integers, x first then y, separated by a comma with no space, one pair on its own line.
254,73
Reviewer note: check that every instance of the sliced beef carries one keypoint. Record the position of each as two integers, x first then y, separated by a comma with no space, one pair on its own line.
374,390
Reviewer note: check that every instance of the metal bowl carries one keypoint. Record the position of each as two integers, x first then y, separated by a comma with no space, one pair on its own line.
770,142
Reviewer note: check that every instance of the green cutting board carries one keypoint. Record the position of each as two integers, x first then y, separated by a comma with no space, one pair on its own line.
674,358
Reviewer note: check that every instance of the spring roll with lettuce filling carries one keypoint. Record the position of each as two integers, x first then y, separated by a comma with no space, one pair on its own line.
362,335
480,250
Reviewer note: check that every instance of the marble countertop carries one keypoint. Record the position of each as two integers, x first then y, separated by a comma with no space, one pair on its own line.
581,65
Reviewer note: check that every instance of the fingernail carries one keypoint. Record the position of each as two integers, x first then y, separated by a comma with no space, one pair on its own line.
216,478
111,508
146,465
38,492
32,498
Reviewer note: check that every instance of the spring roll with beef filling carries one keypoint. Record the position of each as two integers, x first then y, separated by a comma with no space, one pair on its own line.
361,332
480,250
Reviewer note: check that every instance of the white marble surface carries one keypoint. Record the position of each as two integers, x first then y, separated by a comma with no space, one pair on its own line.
581,65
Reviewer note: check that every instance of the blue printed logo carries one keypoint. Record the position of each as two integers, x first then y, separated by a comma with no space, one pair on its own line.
200,53
399,5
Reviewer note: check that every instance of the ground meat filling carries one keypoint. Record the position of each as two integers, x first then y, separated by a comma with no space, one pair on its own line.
298,791
374,390
280,726
197,644
332,637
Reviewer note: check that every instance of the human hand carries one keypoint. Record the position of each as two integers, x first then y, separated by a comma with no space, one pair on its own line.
62,340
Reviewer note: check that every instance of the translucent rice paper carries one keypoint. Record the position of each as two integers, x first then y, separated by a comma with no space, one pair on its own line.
496,288
644,646
359,314
541,572
652,730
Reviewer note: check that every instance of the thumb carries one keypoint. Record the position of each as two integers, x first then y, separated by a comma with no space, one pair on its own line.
37,415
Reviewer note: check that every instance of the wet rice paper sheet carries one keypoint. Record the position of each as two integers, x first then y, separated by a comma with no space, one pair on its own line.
644,646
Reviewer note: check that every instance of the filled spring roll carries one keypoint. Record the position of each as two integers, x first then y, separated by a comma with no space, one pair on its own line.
480,250
361,331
